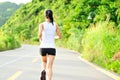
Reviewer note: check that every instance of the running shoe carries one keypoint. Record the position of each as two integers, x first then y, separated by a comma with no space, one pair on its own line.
43,75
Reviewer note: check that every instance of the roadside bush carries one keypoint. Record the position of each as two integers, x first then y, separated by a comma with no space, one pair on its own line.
100,43
7,42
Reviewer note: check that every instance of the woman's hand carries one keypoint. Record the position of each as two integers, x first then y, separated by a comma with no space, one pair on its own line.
56,37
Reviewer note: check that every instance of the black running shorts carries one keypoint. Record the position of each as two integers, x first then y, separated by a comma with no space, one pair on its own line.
47,51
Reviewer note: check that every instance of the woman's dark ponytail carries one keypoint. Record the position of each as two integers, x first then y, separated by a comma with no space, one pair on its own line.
49,14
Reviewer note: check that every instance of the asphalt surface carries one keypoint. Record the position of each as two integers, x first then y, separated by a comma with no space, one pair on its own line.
24,64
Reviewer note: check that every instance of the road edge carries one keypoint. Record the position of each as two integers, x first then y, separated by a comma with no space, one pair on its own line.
106,72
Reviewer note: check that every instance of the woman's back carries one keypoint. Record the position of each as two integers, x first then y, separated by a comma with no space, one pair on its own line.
49,31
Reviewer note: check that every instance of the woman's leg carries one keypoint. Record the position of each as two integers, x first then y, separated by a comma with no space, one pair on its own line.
49,66
44,62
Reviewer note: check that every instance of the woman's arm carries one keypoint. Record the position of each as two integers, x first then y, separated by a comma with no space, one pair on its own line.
40,32
58,32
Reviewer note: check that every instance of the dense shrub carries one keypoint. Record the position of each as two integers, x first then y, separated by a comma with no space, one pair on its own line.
7,41
100,43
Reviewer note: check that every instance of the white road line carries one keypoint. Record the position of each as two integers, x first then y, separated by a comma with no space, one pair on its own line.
9,62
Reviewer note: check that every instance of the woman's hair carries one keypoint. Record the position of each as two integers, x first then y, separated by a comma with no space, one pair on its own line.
49,14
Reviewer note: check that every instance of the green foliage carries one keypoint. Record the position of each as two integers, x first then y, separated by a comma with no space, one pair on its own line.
114,66
100,44
7,41
6,10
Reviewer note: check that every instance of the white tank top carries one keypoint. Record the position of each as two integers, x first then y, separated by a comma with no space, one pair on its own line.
48,34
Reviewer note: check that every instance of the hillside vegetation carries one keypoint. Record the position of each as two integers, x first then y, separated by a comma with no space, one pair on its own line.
6,10
7,41
91,27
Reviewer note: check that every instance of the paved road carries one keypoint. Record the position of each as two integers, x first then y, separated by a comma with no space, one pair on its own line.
24,64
